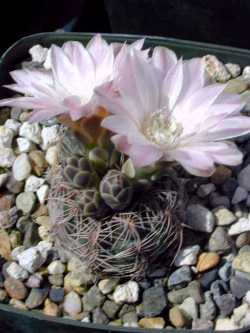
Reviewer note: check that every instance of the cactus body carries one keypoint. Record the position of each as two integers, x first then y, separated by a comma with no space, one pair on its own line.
116,190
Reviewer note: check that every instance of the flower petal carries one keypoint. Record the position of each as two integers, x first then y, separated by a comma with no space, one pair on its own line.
140,155
172,85
194,161
138,83
124,126
163,59
229,128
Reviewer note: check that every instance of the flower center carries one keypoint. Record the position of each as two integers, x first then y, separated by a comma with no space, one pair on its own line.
162,128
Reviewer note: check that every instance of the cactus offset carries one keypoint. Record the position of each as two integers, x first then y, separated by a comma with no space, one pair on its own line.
80,173
116,190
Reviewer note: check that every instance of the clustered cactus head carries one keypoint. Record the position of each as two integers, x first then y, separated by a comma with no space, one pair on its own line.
116,190
116,243
130,114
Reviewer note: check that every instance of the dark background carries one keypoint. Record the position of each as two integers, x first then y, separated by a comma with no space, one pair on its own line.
216,21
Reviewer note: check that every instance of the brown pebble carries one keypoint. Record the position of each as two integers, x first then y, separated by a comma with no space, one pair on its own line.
221,174
51,309
41,211
38,162
176,317
5,246
156,322
207,260
243,239
15,288
6,201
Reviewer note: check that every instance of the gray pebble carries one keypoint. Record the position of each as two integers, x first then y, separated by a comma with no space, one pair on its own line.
200,218
225,272
56,294
36,297
219,200
219,241
205,189
202,324
208,278
226,303
240,195
180,277
193,290
208,308
99,317
110,308
93,299
130,319
244,178
240,284
154,301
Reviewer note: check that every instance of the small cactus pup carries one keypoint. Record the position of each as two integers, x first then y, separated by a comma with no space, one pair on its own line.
80,173
116,190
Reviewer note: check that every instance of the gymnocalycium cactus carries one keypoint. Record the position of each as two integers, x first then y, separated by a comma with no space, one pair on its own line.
132,114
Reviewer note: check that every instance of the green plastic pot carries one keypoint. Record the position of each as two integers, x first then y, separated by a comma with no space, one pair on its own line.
19,321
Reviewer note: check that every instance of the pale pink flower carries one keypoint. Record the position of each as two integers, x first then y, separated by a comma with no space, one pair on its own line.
173,117
68,88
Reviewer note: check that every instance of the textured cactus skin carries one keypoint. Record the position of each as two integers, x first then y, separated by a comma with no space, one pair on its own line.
120,225
91,202
79,172
116,190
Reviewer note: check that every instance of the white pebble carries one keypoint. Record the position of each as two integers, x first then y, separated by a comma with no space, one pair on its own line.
30,259
25,201
190,308
21,167
42,193
247,297
44,247
16,251
239,227
52,156
234,69
49,136
24,145
187,256
225,324
44,232
216,69
13,125
126,293
7,157
33,183
72,304
246,73
6,137
17,272
107,285
31,132
56,267
47,64
38,53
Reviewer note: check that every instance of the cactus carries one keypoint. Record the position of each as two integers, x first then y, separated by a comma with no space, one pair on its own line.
94,216
80,173
121,244
116,190
99,158
90,202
